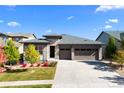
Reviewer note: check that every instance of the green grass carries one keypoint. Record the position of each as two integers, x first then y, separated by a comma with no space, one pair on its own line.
30,86
46,73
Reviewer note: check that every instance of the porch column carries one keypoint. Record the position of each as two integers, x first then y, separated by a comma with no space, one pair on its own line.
57,52
72,53
100,53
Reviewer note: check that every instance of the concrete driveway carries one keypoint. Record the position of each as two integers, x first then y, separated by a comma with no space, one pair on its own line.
85,74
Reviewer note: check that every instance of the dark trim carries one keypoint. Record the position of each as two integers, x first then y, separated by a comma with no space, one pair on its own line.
100,35
34,36
81,44
34,43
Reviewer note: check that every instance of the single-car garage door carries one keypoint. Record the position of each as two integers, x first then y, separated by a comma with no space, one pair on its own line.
65,53
86,54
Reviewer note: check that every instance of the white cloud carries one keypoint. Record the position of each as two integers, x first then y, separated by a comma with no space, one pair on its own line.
104,8
107,22
48,31
11,7
70,17
108,27
112,21
1,21
13,24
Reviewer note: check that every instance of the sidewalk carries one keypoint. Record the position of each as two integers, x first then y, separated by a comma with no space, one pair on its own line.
32,82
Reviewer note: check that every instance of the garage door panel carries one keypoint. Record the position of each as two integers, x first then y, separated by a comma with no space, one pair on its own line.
85,54
84,58
65,54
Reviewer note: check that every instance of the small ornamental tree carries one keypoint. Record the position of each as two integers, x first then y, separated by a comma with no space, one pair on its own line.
119,57
11,52
122,43
2,56
111,48
31,54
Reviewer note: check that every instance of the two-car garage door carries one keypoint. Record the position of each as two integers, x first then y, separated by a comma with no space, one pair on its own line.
79,54
85,54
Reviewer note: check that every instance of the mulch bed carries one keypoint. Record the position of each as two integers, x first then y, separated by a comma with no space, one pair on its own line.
115,66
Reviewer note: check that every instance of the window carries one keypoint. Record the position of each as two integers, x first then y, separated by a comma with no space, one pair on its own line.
39,48
68,49
4,38
17,39
83,49
77,49
62,49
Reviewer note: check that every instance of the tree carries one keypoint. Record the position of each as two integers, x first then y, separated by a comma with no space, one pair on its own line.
2,56
111,48
119,57
11,52
122,43
31,54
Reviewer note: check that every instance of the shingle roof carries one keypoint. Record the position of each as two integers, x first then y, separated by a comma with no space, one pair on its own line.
116,34
52,35
35,41
20,34
69,39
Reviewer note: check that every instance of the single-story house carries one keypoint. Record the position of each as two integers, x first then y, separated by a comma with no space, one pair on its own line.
105,35
66,47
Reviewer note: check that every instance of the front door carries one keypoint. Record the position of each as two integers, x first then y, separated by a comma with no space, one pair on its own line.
52,51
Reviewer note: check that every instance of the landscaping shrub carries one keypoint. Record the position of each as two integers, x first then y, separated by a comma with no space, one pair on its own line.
2,56
52,64
119,57
31,54
45,64
11,52
2,69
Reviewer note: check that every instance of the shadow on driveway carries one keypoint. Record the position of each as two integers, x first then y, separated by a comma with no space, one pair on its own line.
116,79
98,65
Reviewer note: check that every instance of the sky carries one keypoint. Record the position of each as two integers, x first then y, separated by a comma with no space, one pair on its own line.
86,21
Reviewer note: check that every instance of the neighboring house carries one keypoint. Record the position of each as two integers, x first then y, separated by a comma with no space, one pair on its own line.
3,38
16,37
66,47
105,35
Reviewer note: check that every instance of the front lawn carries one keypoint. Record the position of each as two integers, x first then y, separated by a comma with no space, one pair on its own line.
44,73
30,86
